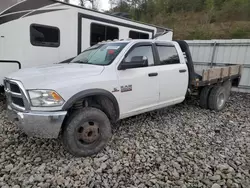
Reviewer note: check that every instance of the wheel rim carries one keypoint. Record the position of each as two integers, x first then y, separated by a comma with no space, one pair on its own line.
221,100
88,132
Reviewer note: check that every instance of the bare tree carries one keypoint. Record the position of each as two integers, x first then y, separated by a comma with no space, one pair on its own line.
113,3
82,3
94,4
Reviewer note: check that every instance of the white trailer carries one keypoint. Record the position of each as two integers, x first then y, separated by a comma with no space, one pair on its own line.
38,32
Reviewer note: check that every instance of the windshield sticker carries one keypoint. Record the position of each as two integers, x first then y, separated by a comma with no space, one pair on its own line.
111,52
113,47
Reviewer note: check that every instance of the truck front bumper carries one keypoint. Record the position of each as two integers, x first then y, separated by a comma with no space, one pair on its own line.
38,124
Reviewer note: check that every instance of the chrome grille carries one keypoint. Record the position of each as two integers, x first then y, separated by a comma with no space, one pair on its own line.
16,95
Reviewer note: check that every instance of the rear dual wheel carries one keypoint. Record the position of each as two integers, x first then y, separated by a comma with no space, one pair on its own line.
228,86
204,96
215,97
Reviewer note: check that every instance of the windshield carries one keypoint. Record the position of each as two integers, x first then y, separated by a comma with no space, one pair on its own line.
102,54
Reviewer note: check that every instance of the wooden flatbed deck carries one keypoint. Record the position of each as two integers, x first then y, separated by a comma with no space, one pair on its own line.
218,75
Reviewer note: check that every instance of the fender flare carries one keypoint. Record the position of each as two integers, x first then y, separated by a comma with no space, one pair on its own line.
92,92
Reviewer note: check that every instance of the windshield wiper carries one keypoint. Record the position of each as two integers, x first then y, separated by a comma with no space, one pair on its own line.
86,62
81,62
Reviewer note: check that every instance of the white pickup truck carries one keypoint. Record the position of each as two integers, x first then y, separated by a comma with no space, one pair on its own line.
81,97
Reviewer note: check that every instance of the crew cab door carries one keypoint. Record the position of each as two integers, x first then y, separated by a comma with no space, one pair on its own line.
139,87
173,73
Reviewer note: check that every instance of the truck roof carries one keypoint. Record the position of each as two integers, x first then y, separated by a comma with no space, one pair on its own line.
135,40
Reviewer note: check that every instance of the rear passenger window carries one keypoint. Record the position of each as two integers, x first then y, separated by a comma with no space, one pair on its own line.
168,55
42,35
138,35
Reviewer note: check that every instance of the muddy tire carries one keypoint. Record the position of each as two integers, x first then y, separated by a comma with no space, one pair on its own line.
204,96
217,98
86,132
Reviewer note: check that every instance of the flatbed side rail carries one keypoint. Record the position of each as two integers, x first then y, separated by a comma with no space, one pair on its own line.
218,75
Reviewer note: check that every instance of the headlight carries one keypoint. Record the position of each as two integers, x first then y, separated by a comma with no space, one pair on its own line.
41,98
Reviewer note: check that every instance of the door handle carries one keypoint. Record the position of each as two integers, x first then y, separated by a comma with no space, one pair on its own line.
182,70
153,74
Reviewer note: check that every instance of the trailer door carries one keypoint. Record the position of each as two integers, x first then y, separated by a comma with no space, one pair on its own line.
92,32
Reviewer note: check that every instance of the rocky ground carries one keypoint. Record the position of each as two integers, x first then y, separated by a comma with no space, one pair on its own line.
181,146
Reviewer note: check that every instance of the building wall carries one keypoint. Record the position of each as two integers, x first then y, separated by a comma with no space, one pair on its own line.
210,53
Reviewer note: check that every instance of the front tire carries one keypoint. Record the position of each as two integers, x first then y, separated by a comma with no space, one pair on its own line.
86,132
1,89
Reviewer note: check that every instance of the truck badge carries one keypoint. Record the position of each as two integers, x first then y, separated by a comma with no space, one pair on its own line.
126,88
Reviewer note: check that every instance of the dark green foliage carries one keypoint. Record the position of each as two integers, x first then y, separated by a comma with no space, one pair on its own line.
140,8
212,12
199,34
240,33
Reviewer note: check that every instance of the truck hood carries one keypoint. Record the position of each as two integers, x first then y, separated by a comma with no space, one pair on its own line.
39,77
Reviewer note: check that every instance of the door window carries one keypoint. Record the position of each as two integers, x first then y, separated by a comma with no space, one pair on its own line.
142,51
168,55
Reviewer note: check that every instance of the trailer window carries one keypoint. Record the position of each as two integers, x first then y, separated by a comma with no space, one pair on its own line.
47,36
168,55
101,32
138,35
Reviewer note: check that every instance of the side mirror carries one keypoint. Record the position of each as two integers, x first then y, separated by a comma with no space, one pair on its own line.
135,62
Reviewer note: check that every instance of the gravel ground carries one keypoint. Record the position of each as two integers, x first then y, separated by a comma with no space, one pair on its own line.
181,146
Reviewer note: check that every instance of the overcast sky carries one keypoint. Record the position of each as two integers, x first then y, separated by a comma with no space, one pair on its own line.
102,4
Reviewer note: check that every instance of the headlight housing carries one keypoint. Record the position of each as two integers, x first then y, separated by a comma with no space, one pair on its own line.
45,98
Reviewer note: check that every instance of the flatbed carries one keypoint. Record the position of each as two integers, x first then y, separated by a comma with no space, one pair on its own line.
218,75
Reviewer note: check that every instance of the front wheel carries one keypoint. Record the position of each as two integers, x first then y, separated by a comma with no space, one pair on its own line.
86,132
1,89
